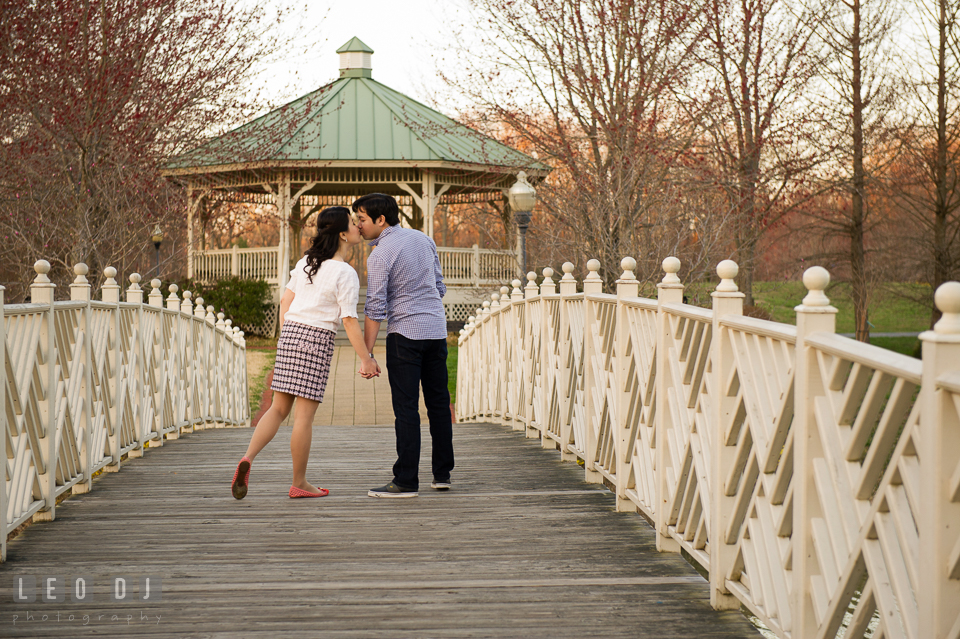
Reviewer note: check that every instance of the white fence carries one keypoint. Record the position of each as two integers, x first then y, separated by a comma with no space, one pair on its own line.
816,478
247,263
460,266
86,382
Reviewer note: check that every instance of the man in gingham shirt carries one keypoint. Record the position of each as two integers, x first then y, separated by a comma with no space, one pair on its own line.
405,287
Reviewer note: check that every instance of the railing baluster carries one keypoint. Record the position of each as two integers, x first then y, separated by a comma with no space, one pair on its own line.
627,287
814,315
591,285
727,300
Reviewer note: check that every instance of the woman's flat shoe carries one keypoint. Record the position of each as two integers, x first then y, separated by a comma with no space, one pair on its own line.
241,479
299,492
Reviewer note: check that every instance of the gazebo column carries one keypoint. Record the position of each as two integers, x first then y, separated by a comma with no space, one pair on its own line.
283,200
193,203
427,199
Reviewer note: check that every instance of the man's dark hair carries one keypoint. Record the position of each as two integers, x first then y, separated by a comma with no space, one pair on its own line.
376,205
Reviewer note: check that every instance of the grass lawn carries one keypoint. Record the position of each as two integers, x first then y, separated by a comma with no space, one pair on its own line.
890,311
452,352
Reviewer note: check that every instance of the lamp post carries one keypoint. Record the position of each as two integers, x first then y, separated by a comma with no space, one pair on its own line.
522,198
157,238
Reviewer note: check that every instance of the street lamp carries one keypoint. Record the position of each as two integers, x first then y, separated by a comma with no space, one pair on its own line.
157,238
522,198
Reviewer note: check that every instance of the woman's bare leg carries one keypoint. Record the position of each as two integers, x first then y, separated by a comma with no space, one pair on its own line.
269,424
300,440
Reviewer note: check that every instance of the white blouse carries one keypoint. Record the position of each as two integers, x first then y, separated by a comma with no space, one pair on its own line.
333,295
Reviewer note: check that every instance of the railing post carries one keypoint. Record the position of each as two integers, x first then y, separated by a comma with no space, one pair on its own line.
3,429
173,366
503,359
591,285
669,291
568,288
155,300
547,287
516,294
939,516
41,292
727,300
627,286
80,292
531,289
475,265
110,294
814,315
135,296
235,261
173,302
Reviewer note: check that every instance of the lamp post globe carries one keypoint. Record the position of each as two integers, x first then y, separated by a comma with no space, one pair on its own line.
157,239
522,198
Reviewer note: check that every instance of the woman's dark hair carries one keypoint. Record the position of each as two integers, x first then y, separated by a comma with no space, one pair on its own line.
377,205
331,223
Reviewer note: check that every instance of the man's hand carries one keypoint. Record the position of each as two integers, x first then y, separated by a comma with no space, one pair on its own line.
369,368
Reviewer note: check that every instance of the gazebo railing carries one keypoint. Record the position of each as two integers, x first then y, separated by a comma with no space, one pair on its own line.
85,383
247,263
815,478
461,266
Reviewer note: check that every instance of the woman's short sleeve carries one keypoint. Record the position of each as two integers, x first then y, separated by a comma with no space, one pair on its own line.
297,272
348,292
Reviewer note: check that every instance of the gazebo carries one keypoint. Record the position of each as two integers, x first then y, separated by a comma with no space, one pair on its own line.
351,137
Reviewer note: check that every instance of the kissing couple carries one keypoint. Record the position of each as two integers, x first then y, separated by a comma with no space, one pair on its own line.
405,287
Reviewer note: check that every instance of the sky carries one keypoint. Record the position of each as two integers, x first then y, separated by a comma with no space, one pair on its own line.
408,39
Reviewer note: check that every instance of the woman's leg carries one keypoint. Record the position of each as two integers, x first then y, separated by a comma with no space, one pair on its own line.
269,424
300,440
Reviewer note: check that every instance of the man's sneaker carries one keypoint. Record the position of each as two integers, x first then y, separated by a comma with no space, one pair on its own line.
441,485
392,490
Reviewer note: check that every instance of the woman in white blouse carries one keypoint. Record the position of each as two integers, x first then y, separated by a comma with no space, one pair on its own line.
323,291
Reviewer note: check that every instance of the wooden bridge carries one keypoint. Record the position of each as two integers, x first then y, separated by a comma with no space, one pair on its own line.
520,547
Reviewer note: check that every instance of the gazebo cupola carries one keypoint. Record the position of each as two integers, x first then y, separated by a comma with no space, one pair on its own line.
355,60
350,137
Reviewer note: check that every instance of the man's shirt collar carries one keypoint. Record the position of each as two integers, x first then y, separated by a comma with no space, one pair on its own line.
384,232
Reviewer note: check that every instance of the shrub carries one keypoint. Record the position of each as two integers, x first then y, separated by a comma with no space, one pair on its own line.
243,301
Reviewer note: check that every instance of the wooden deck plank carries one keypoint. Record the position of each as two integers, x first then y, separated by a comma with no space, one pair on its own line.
520,547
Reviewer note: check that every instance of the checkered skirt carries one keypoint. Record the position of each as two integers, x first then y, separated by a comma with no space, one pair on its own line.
303,360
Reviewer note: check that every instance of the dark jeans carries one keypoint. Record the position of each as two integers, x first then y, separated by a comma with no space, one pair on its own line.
410,363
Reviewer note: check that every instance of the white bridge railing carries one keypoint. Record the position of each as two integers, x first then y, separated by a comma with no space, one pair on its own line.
86,382
816,478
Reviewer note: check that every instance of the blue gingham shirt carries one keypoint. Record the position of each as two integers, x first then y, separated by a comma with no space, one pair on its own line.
405,284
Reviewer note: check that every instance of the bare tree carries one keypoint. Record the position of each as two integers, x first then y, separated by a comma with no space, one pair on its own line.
94,95
926,180
592,87
860,93
762,56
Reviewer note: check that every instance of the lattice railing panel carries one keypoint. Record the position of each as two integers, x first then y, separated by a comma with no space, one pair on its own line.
600,349
863,533
639,418
755,427
686,425
87,383
573,373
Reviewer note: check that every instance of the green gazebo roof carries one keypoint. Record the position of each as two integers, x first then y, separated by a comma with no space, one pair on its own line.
354,119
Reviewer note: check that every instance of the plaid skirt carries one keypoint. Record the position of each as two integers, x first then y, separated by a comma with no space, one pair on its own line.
303,360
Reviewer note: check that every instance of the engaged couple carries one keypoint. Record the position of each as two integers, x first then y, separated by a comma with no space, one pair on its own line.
404,287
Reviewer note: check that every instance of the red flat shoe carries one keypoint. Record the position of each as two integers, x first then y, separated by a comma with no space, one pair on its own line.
241,478
299,492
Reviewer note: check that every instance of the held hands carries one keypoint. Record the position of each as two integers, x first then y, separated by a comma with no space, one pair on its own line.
369,368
